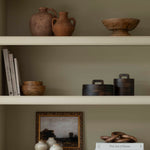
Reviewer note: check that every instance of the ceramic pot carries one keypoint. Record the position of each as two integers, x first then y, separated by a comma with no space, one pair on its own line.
63,26
41,22
41,145
56,147
51,141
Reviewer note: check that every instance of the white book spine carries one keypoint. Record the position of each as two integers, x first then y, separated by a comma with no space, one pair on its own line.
7,69
119,146
12,69
17,75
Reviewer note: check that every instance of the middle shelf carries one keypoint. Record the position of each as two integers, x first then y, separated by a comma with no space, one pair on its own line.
74,100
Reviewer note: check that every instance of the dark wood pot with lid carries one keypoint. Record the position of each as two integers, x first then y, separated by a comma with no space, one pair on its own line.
97,88
124,85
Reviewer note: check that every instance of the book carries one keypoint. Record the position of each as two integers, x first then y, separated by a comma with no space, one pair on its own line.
7,70
119,146
17,76
13,76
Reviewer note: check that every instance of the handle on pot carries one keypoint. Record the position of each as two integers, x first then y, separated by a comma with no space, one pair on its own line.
54,11
73,20
53,19
124,75
99,81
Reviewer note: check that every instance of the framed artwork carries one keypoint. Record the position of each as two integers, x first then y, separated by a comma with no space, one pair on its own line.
65,127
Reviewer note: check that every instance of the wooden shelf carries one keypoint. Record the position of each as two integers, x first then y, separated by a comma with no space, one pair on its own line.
74,100
75,40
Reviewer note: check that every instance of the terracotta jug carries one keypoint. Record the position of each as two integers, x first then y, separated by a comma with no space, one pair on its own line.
41,22
63,26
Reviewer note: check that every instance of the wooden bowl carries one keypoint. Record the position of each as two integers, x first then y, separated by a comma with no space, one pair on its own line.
120,26
32,83
33,90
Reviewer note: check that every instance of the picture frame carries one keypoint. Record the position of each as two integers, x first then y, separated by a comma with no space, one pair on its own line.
67,128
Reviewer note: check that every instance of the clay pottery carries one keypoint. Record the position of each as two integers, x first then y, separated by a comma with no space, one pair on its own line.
120,26
124,85
63,26
33,88
56,147
51,141
41,22
41,145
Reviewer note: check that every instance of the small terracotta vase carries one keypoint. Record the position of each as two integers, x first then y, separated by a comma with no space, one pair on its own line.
41,22
62,26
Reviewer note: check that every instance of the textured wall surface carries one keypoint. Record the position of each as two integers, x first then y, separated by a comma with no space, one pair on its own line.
98,121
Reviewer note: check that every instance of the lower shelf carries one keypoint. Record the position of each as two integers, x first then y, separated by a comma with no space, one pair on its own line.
74,100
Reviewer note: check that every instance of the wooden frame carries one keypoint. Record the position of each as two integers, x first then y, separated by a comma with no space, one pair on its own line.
62,114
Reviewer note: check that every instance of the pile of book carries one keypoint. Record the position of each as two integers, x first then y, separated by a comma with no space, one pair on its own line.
119,146
12,73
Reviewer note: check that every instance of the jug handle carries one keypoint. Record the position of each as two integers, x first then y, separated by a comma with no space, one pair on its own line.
74,21
53,19
52,10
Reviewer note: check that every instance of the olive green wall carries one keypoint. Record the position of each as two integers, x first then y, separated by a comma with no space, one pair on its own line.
65,68
98,121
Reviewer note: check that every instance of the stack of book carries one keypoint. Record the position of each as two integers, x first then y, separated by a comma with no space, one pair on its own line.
119,146
12,73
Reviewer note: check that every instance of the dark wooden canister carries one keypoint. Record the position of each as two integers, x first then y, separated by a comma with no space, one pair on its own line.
124,85
97,88
93,89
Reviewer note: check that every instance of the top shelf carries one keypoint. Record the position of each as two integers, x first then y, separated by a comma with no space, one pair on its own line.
75,40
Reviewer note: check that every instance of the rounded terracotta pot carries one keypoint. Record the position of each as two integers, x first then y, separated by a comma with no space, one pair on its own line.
63,26
33,90
41,22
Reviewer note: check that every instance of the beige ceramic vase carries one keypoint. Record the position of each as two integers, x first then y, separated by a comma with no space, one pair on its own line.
63,26
41,145
41,22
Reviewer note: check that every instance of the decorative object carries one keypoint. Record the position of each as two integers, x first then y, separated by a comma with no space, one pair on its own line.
120,26
96,89
33,88
51,141
124,85
41,22
56,147
119,137
62,26
66,126
41,145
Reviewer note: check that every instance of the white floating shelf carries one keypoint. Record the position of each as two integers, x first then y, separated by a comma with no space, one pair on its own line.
74,100
75,40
